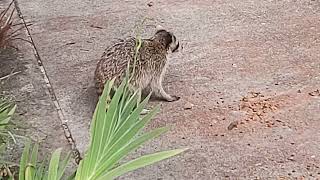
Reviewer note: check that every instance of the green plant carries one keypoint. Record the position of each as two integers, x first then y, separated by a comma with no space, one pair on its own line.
31,170
114,134
7,109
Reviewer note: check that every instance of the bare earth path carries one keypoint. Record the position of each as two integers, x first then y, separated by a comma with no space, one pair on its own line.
255,63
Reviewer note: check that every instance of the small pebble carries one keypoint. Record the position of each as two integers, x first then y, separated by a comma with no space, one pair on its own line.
258,164
315,93
188,105
150,4
291,158
232,125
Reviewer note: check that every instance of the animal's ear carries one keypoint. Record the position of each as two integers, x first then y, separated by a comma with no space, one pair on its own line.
159,28
165,35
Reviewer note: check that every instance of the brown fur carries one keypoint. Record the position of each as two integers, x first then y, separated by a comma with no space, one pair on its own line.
150,65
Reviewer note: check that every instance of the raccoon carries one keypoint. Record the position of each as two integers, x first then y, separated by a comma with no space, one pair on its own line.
150,64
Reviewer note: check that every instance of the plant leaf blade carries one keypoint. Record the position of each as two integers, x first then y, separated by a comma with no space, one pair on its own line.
54,165
140,162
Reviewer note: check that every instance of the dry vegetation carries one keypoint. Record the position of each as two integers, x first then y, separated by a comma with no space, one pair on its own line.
9,30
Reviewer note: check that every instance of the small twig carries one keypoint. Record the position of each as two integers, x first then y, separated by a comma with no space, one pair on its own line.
3,13
27,24
9,163
10,18
12,137
9,75
12,36
16,30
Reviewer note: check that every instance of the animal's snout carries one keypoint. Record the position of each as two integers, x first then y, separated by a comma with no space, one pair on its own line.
175,49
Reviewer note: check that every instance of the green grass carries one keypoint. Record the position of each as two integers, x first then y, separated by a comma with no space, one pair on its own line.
7,109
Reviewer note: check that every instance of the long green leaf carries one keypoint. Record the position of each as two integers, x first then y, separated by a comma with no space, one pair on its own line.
131,120
24,160
29,172
124,137
80,170
129,131
101,104
54,165
112,113
33,160
72,176
102,133
139,163
12,110
121,153
34,154
63,165
96,130
2,147
7,110
125,96
40,173
130,104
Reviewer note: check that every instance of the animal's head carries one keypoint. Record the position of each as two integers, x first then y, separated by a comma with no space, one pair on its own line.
167,38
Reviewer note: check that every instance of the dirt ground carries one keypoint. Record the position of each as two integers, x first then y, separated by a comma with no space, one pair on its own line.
35,116
248,75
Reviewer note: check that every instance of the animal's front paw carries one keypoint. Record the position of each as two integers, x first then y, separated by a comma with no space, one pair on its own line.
173,98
